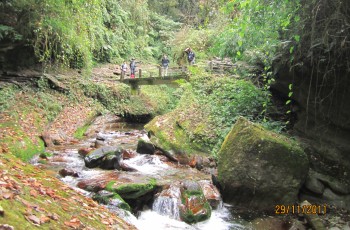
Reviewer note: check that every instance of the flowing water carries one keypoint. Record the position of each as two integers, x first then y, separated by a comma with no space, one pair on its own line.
164,213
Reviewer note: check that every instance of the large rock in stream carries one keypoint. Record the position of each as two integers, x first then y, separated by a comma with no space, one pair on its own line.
186,200
106,157
259,169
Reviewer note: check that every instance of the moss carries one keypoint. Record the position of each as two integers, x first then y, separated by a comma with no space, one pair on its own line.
109,185
26,149
123,205
254,139
187,214
131,191
79,133
252,160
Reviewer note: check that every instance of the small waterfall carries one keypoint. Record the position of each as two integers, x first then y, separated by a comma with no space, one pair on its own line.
168,202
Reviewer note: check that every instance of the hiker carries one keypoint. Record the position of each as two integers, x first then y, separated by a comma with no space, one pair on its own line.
190,56
123,69
165,65
132,68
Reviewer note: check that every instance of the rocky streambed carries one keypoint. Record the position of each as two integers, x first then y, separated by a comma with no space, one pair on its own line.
115,165
151,191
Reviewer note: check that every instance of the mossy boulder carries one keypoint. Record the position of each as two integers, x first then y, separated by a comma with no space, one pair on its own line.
195,207
258,168
133,190
182,132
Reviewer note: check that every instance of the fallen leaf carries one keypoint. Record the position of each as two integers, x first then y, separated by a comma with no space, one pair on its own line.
53,216
44,219
73,223
8,195
33,193
34,219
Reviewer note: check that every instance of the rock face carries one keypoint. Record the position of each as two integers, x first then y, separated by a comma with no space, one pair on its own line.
260,169
319,188
321,104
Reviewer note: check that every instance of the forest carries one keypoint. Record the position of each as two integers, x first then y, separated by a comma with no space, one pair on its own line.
251,133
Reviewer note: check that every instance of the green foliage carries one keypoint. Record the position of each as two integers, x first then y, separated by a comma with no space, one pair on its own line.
48,102
9,33
7,96
162,98
254,25
227,99
111,97
78,33
198,40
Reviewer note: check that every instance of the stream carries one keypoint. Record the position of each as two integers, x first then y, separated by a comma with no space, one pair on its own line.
162,212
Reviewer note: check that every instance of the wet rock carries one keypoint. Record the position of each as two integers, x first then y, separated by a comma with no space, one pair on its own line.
90,186
84,151
333,183
168,201
260,168
341,201
95,158
128,154
145,146
321,188
314,185
194,207
68,172
111,161
211,193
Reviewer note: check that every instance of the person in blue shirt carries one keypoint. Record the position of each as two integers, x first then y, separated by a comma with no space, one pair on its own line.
165,65
191,57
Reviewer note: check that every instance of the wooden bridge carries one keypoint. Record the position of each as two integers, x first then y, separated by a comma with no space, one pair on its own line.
155,76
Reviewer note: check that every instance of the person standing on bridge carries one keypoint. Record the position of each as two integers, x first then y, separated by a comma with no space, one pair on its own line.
165,65
132,68
123,69
190,56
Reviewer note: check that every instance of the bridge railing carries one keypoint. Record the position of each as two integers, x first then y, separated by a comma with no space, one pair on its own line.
158,72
